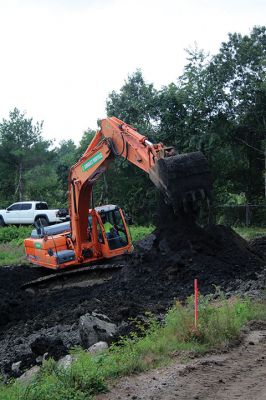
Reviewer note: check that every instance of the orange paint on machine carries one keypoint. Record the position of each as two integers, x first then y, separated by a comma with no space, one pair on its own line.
96,233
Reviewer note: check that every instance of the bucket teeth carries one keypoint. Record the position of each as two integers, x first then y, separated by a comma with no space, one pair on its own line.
185,207
202,194
191,200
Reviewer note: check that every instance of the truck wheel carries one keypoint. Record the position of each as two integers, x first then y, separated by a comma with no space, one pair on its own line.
1,222
42,221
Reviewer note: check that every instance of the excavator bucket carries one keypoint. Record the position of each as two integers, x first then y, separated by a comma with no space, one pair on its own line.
184,178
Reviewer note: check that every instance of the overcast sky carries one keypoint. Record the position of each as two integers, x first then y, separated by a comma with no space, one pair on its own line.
61,58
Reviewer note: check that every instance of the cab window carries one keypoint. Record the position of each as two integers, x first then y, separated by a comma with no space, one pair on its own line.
26,206
119,224
14,207
41,206
100,234
89,230
114,229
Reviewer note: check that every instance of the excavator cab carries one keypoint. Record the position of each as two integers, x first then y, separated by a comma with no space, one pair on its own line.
107,236
114,228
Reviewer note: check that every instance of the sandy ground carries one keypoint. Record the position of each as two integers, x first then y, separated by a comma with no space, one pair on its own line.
237,374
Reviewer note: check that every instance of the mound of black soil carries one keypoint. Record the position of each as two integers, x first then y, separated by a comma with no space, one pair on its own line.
258,246
162,268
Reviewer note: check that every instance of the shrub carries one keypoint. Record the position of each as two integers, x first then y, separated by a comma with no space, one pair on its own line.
14,234
12,254
139,232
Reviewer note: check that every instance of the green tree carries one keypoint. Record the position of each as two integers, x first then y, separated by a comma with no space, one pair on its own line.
21,148
87,137
136,104
224,99
239,76
65,158
172,117
41,183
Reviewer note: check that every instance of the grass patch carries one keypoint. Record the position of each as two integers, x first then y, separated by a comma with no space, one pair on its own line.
250,232
14,235
12,254
139,232
219,323
11,244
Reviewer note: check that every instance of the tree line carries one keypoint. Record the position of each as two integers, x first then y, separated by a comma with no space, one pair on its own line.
218,106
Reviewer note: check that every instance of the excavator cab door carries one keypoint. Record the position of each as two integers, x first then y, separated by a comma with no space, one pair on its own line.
114,226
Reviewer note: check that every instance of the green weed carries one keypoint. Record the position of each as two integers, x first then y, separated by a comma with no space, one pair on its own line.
12,254
219,323
139,232
250,232
15,235
11,244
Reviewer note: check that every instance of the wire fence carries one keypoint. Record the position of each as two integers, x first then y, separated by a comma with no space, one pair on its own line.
245,214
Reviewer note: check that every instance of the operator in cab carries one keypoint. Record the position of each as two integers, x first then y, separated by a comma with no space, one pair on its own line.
107,225
111,233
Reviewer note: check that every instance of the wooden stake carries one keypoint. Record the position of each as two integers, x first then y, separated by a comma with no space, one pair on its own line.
196,302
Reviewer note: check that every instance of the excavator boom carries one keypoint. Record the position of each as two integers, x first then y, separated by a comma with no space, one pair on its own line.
181,178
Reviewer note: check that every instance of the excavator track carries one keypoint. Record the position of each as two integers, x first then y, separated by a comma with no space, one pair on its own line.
87,276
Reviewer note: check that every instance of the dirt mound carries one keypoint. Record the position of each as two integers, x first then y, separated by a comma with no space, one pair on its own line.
162,268
258,246
167,262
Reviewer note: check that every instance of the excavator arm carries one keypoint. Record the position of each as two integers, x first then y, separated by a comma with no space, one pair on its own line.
180,178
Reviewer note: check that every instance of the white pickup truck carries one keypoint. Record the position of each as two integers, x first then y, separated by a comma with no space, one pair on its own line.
29,212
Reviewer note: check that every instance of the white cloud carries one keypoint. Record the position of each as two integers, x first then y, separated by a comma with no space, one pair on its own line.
60,59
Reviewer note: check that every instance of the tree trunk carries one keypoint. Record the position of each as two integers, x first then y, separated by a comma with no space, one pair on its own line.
264,126
20,182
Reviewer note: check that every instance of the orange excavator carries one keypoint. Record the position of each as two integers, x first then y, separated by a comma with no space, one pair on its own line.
96,233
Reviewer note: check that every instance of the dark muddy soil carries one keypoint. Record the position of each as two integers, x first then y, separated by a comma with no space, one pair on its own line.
162,268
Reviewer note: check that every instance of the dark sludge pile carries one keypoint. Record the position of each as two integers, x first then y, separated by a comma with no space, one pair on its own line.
161,270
